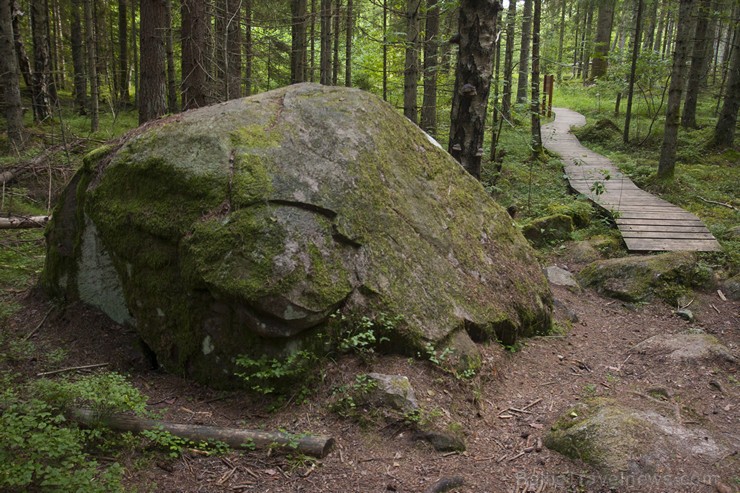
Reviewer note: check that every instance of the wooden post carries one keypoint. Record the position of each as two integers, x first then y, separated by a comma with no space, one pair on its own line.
549,85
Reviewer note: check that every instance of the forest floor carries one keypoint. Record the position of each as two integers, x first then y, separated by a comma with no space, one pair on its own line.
544,376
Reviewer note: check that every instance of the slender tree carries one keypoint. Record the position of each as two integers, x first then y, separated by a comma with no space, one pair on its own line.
298,39
233,72
477,22
10,76
667,163
603,39
633,72
42,80
509,62
123,95
152,101
521,90
561,40
348,44
193,39
249,49
385,50
724,132
698,67
586,49
78,59
537,151
411,65
336,16
325,56
24,65
170,50
92,66
431,65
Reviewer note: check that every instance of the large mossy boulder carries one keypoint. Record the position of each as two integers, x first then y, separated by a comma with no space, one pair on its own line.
240,228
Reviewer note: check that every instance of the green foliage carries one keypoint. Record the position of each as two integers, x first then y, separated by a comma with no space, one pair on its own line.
278,376
363,336
350,397
173,445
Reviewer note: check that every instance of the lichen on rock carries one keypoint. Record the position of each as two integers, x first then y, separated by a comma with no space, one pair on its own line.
241,227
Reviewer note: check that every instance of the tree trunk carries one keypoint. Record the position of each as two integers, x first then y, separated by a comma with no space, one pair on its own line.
348,45
431,66
220,56
10,78
41,61
576,42
298,41
123,95
57,46
662,16
152,102
78,60
335,34
561,40
698,67
312,37
233,58
237,438
20,50
193,38
92,66
521,90
248,48
667,163
171,82
509,62
586,50
496,114
724,132
603,38
537,151
633,71
647,43
325,56
411,64
477,23
134,52
385,50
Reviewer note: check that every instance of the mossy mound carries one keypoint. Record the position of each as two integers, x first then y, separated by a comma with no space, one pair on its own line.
549,229
603,130
624,441
240,228
638,278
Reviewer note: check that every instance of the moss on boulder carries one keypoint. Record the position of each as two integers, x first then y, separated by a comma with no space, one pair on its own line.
640,278
238,229
548,229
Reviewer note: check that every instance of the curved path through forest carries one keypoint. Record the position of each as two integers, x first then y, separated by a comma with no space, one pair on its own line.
647,223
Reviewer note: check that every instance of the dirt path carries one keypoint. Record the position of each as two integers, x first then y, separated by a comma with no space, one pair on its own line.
543,379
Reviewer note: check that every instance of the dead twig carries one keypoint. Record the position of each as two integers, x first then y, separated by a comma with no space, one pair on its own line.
30,334
714,202
531,404
71,368
715,308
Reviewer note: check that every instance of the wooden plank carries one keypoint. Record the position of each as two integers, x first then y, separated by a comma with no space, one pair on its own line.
658,215
659,222
667,235
652,245
678,228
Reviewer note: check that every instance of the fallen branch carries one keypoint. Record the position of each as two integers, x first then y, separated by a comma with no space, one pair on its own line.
71,368
9,175
314,445
723,204
21,222
30,334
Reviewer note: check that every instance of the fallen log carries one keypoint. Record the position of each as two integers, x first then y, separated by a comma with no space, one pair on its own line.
236,438
23,222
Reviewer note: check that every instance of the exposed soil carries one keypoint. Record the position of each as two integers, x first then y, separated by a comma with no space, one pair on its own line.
504,411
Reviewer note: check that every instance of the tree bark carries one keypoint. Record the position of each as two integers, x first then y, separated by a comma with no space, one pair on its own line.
325,56
298,38
233,49
78,60
123,93
576,42
348,44
724,132
667,163
336,16
134,52
19,222
42,81
537,151
633,71
248,48
10,78
431,66
411,64
586,50
312,48
477,23
236,438
193,38
169,48
385,50
561,40
92,66
509,62
24,65
603,38
521,90
698,67
152,102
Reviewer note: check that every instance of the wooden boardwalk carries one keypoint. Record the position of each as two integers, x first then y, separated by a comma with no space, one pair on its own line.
647,223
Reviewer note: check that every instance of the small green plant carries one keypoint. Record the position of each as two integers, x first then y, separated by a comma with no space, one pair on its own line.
349,397
173,444
589,390
278,376
363,336
436,357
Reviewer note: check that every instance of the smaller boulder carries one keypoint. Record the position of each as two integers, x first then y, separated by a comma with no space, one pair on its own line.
685,348
393,391
731,288
561,277
442,441
548,229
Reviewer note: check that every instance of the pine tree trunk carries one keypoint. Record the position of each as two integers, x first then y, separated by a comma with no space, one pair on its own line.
537,151
193,39
724,132
603,38
41,61
169,48
561,40
312,48
325,56
478,28
411,64
577,42
298,41
152,102
385,50
78,60
10,78
662,15
24,65
650,31
667,163
248,48
92,67
233,50
586,53
521,90
431,65
348,44
57,46
123,96
509,62
698,67
135,52
335,45
633,71
220,58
